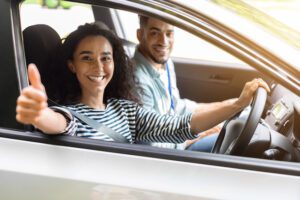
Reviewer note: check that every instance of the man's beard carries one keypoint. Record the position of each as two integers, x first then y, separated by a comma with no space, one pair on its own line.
158,61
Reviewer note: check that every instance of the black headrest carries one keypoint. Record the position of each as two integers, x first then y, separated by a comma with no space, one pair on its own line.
40,42
42,46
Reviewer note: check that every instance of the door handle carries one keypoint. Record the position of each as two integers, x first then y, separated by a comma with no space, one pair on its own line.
219,79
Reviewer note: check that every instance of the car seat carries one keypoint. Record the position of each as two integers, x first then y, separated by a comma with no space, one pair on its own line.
42,43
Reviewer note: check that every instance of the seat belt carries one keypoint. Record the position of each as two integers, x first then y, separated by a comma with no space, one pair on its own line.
96,125
99,127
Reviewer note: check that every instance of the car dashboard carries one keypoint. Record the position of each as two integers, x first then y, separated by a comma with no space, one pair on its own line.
281,110
282,115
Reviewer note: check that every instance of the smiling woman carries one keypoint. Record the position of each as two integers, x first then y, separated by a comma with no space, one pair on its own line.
80,53
93,65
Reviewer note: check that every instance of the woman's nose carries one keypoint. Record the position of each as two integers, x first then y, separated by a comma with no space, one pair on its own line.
98,63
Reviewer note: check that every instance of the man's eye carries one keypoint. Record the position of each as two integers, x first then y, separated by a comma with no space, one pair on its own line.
170,34
154,33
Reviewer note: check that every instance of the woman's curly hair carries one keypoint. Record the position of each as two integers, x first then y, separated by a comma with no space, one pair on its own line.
121,86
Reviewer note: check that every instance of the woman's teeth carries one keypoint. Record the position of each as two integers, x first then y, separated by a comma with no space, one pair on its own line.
96,78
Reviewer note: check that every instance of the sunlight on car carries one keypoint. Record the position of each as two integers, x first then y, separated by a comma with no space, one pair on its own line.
272,33
52,11
286,11
278,16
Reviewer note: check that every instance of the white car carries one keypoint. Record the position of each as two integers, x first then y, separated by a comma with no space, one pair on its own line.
217,51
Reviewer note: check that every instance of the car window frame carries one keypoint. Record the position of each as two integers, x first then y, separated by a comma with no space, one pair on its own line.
237,162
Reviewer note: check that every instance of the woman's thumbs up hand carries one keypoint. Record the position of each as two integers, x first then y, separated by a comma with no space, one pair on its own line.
32,100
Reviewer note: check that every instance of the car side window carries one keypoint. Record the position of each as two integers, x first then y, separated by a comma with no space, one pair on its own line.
184,41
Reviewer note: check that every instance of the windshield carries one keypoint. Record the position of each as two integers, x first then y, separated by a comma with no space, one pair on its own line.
273,24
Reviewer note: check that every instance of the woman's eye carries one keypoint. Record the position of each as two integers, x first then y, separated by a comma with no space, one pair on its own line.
87,58
106,59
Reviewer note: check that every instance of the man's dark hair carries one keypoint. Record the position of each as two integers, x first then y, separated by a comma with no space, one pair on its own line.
121,86
143,20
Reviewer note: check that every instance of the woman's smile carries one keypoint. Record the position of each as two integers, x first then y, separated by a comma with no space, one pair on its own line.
96,78
93,65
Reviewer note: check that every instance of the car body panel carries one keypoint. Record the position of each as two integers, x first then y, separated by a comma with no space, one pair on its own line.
69,173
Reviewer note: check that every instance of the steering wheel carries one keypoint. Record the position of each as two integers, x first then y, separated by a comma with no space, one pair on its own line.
243,129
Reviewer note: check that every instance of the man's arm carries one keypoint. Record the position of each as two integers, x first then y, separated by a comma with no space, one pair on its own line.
204,119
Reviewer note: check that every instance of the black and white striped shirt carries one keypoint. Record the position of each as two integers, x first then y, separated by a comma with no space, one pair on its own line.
130,120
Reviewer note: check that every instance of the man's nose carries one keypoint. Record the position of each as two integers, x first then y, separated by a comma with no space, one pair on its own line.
163,39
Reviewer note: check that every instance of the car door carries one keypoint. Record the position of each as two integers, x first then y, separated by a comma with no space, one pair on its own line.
36,166
212,81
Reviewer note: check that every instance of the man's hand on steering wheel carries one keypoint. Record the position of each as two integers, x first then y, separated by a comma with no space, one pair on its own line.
256,90
248,91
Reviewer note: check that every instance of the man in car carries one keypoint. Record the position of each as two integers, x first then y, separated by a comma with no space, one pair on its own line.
156,76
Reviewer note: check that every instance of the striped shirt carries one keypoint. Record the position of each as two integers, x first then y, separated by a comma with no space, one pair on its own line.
128,119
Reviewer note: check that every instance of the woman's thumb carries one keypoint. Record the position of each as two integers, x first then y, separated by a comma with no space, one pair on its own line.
34,77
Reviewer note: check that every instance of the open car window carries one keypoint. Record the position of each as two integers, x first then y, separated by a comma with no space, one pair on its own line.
203,67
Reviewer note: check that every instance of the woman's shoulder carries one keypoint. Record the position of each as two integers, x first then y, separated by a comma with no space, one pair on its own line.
122,102
78,106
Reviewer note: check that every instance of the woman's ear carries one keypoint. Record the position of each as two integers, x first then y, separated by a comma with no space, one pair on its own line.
71,66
